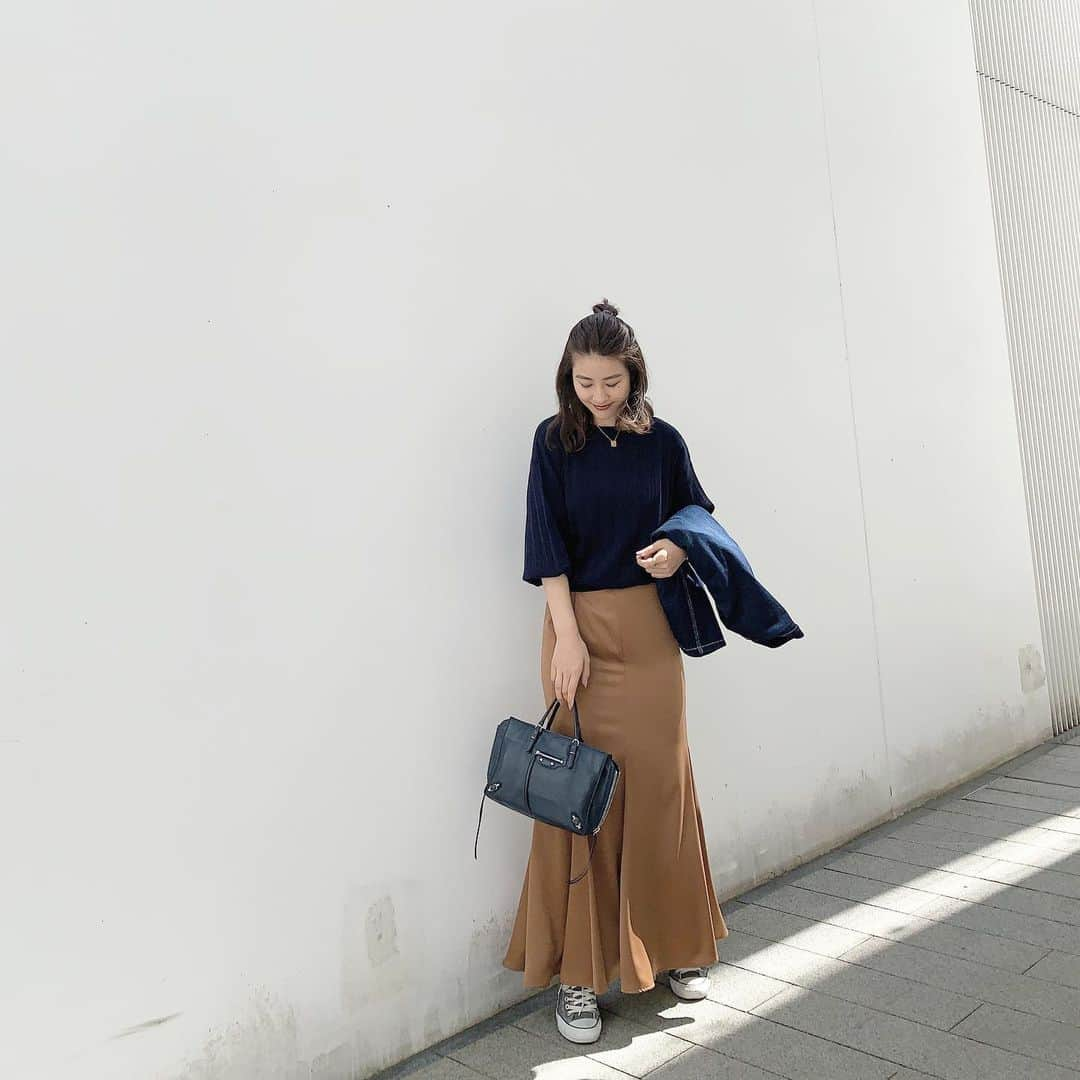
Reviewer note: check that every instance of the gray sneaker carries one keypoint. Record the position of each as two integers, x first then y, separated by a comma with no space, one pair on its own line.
577,1014
690,984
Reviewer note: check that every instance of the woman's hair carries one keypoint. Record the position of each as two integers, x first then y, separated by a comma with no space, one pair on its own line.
604,334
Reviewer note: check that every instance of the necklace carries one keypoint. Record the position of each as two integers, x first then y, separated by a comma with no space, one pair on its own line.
611,439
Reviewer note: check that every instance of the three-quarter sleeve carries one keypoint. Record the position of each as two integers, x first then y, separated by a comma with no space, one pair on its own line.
546,552
686,489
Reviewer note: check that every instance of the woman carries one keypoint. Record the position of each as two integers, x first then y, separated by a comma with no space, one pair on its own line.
605,472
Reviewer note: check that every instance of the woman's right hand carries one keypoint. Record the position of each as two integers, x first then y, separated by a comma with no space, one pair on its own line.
569,664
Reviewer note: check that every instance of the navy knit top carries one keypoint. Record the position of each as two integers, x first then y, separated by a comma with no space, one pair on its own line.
588,512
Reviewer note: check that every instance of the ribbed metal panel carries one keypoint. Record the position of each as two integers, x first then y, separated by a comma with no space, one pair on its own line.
1032,45
1027,55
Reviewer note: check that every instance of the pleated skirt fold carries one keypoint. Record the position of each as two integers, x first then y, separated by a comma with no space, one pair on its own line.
647,902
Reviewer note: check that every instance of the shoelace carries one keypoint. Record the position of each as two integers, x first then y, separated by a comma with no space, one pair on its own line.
579,999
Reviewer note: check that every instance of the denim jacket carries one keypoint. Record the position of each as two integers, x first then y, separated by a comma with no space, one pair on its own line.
716,566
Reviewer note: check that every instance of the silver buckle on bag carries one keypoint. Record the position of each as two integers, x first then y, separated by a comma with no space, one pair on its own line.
548,761
571,753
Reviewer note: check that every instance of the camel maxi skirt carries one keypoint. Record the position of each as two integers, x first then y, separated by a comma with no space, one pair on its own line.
646,903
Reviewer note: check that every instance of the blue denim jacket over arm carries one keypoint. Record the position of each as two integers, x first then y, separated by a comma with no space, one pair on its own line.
715,565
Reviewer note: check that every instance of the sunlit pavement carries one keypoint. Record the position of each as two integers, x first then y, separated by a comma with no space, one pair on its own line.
945,943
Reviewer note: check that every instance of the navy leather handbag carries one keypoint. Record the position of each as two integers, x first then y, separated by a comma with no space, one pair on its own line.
554,778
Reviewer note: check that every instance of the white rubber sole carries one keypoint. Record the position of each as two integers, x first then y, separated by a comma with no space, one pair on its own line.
684,992
576,1034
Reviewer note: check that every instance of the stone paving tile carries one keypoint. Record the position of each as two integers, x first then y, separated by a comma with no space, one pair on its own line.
757,1041
1027,877
915,999
1032,929
1048,775
1044,1039
1009,850
960,887
1057,967
1002,830
976,864
1005,797
925,855
1068,827
1048,771
874,922
939,1053
871,892
437,1067
1062,747
823,938
1036,787
699,1063
975,980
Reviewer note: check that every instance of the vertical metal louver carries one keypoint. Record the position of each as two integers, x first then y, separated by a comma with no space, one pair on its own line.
1027,56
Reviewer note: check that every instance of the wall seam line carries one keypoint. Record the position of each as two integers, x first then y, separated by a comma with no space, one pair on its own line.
851,405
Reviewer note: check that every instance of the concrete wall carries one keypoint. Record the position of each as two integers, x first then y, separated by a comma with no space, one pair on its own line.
285,288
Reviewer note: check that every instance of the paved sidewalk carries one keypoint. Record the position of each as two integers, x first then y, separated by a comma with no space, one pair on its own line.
945,943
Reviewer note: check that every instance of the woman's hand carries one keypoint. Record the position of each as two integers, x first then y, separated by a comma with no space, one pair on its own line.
661,559
569,663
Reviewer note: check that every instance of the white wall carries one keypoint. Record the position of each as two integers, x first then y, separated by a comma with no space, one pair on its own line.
285,289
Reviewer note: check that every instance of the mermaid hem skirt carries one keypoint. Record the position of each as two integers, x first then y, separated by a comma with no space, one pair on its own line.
646,903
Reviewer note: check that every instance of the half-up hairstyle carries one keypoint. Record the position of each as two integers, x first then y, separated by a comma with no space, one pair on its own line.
602,333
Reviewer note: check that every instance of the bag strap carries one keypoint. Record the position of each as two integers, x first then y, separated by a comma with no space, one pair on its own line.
483,799
548,719
572,881
592,848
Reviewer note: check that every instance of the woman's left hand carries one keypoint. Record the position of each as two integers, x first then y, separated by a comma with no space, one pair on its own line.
661,559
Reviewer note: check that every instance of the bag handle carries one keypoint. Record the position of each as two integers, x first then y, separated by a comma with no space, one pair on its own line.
548,719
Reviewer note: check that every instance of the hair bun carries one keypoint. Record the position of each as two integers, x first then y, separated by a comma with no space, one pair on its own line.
604,308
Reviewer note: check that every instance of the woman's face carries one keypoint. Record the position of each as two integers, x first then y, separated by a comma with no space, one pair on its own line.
602,384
